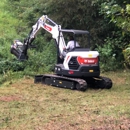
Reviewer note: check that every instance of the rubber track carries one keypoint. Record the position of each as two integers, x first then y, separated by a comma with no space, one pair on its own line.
81,82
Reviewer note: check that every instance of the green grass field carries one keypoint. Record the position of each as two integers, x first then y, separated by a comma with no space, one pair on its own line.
28,106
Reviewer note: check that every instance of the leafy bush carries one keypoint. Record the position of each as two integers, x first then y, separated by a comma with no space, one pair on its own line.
41,61
126,53
111,57
119,14
7,65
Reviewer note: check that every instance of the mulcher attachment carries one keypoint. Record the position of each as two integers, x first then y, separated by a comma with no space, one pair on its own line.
20,55
19,49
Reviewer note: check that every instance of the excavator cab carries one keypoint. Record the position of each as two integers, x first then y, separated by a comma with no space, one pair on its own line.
80,39
80,36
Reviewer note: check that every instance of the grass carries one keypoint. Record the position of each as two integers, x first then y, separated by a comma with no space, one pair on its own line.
25,105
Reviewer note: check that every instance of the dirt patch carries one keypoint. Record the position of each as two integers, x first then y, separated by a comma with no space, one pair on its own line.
10,98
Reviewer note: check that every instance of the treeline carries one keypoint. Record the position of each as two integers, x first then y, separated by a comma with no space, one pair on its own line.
106,20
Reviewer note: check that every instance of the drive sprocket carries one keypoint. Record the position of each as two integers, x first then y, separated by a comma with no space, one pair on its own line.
103,82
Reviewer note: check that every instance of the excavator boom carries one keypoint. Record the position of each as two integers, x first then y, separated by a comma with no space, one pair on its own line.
19,49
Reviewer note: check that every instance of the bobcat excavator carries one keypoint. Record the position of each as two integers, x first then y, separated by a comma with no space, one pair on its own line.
77,69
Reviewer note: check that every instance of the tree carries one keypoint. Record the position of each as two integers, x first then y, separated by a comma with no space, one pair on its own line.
120,16
118,13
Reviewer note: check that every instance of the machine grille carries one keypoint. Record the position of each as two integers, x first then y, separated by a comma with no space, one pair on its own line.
73,64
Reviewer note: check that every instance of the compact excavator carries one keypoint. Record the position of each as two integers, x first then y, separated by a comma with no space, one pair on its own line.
76,69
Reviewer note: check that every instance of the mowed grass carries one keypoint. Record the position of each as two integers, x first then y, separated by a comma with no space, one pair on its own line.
28,106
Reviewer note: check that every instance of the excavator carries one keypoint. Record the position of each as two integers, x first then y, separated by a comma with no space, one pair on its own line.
77,69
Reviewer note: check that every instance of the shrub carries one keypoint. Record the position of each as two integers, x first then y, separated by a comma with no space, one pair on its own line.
41,61
7,65
111,57
126,54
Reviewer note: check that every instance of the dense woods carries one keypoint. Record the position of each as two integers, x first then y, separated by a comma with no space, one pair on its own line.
106,20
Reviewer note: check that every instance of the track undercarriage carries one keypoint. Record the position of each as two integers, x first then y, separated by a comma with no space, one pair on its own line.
74,83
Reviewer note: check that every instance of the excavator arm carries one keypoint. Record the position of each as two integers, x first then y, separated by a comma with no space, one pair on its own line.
20,49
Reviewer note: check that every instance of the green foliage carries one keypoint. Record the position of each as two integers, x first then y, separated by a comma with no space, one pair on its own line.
126,53
43,61
107,58
119,15
10,76
6,65
76,14
111,57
